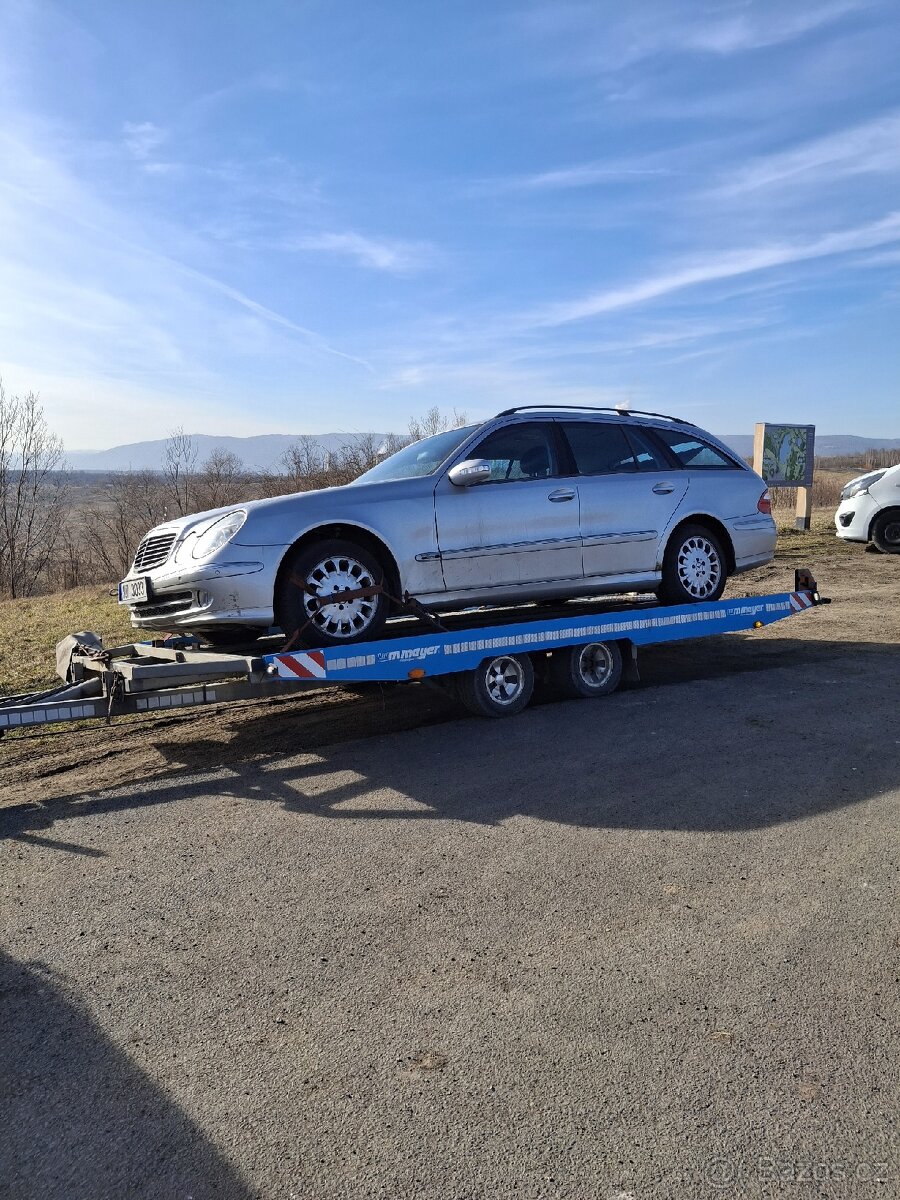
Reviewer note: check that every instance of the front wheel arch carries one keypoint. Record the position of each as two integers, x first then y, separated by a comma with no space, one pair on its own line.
890,513
344,532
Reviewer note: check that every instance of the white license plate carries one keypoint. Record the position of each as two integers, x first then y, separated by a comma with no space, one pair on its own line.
133,591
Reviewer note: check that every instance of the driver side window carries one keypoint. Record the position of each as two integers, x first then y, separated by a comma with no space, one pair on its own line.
516,452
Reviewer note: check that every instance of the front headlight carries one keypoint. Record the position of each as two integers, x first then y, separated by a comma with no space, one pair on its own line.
219,534
860,485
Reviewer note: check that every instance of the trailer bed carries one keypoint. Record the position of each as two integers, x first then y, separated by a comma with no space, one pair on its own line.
143,677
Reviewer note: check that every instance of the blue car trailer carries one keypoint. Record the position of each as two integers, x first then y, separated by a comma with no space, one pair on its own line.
488,659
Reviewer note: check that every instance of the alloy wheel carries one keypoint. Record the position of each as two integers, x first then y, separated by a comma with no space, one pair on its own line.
595,664
699,567
344,618
505,680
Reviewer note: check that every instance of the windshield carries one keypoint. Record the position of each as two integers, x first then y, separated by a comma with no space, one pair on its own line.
419,458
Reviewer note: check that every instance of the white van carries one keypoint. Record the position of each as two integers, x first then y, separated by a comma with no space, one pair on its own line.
870,510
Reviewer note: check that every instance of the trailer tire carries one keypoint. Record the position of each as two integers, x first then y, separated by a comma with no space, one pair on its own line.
886,531
497,687
586,672
332,565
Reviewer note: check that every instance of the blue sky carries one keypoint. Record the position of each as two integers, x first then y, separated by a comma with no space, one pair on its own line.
284,217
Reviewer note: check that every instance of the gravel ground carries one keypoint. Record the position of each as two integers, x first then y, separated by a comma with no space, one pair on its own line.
643,947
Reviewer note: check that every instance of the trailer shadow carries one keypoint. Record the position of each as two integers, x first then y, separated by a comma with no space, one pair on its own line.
727,734
78,1119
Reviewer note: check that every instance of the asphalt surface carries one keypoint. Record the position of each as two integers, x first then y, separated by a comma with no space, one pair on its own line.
638,947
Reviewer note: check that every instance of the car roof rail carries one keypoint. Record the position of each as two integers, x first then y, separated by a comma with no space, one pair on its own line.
630,412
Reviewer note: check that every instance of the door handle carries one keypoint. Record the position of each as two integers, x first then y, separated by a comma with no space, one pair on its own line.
663,489
560,495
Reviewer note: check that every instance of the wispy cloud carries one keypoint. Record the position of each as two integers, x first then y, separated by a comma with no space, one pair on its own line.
142,138
659,336
88,291
580,34
237,89
377,254
712,269
869,148
604,190
580,175
757,28
493,383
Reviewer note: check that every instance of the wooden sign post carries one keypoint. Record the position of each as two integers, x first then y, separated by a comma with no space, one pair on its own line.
785,457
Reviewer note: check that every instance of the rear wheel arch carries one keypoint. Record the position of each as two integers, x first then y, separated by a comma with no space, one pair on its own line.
715,527
695,564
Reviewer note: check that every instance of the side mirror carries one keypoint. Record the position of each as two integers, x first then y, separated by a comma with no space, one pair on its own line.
473,470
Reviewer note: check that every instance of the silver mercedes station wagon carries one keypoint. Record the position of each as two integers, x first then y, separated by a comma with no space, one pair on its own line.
533,505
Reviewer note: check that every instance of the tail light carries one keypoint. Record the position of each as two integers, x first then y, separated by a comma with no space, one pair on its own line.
764,503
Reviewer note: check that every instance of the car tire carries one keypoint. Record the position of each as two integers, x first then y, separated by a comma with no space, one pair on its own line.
886,531
694,567
497,687
330,566
585,672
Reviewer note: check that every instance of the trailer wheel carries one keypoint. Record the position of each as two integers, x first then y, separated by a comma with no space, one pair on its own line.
586,671
498,687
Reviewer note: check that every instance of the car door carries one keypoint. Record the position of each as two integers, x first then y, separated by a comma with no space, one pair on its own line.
521,526
628,493
719,484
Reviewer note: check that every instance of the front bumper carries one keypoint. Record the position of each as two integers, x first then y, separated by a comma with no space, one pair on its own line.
234,592
853,519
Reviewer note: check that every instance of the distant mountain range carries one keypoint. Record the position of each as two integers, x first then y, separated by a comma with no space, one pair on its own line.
264,451
259,453
828,445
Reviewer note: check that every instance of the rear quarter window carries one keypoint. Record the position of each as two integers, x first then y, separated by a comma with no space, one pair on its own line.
694,452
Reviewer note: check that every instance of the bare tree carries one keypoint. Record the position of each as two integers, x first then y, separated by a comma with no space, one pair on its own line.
391,443
124,507
180,469
434,421
33,494
304,464
221,480
353,458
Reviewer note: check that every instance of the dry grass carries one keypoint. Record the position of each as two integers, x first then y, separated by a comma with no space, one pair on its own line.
30,629
820,539
826,490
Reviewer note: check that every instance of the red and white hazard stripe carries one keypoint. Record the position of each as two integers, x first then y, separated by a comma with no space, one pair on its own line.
800,601
309,664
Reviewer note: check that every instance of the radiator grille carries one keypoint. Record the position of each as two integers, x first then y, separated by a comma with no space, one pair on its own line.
153,551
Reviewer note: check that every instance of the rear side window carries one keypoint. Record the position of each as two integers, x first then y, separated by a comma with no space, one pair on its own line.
598,448
647,455
693,452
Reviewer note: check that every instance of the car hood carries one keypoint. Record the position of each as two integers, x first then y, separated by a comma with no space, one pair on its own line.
269,519
888,474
